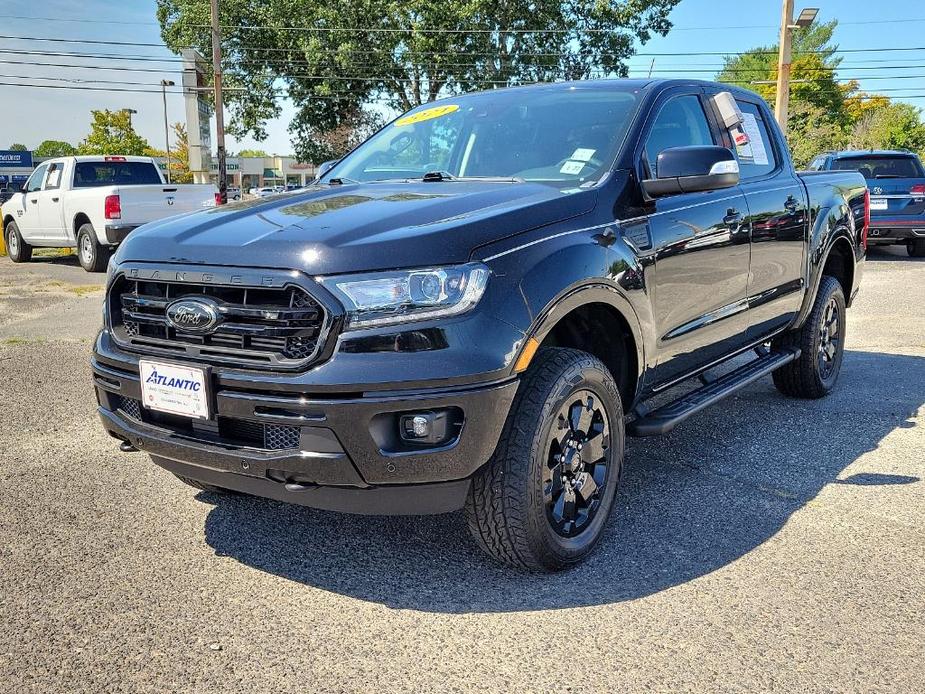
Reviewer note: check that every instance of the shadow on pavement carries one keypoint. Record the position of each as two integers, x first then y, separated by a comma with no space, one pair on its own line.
690,503
891,254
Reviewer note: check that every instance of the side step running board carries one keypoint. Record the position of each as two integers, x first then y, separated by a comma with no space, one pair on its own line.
668,416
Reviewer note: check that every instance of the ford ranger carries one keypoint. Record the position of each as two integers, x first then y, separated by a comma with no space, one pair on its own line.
475,306
91,203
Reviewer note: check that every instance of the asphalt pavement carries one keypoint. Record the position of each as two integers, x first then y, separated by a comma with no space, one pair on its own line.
767,544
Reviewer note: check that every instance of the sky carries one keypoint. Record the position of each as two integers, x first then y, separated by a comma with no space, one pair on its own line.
30,115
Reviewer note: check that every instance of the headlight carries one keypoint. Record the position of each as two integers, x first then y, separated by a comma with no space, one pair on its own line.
397,297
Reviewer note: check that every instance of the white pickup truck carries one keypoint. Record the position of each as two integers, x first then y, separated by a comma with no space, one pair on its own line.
92,203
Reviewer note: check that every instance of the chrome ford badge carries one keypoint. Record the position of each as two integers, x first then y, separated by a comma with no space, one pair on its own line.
193,315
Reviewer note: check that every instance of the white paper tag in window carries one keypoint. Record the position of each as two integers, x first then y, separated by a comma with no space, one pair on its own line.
54,179
582,154
755,141
572,167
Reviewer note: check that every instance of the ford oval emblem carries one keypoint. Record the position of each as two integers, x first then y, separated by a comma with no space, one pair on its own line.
193,315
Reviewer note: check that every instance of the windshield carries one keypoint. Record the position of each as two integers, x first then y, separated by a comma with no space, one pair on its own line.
881,167
560,137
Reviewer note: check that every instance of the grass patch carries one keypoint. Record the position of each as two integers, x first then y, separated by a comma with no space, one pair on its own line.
52,252
14,341
83,289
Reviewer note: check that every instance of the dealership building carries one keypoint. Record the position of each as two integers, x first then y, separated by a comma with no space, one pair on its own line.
243,172
15,168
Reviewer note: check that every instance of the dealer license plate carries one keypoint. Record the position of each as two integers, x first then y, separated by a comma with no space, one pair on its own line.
879,203
174,388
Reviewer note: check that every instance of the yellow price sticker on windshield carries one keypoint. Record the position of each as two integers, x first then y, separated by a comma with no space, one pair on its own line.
427,114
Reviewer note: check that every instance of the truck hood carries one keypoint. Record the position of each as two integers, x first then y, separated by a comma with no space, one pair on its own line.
357,227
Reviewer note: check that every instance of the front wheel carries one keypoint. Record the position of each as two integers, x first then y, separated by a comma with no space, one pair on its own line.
92,255
916,248
821,341
541,503
18,250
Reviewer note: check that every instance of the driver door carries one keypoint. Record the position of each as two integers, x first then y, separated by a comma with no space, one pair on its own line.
700,243
28,216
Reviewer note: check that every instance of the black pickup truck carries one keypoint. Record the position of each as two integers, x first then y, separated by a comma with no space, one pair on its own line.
475,306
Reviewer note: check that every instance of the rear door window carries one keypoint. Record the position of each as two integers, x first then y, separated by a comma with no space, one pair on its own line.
757,158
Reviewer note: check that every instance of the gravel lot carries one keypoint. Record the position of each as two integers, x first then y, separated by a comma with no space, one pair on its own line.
767,544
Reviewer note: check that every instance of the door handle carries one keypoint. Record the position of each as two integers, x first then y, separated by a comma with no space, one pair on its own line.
55,199
34,201
732,217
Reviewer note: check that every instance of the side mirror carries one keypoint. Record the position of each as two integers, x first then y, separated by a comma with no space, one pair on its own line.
692,170
326,166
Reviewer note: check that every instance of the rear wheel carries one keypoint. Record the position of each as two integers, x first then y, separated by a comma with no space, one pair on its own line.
916,248
92,254
821,341
18,250
542,501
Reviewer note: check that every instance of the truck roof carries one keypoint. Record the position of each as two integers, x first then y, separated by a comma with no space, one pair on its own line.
858,153
102,157
616,84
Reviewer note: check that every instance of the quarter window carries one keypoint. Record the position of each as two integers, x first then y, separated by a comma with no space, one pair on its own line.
680,123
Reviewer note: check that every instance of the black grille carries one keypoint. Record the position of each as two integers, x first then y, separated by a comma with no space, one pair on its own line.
243,432
259,327
130,406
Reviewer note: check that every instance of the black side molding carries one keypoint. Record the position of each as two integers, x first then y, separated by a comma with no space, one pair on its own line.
668,416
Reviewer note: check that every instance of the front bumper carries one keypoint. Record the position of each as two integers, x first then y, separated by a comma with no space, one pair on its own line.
345,458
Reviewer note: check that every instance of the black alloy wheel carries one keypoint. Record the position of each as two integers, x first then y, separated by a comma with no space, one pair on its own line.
577,465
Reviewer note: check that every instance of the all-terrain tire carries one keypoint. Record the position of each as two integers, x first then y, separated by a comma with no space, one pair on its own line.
93,256
813,374
916,248
509,509
18,250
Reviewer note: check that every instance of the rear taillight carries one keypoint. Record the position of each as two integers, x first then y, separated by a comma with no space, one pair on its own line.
866,219
917,189
112,207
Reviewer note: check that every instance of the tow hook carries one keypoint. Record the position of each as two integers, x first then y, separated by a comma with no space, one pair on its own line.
126,447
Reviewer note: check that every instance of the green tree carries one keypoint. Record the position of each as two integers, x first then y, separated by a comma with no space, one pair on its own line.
347,54
812,71
252,153
111,132
894,126
18,147
811,130
179,155
55,148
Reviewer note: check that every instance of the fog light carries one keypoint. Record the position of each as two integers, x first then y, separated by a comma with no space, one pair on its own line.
424,427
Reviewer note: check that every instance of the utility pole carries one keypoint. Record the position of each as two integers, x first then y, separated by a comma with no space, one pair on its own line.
782,100
787,25
219,108
164,85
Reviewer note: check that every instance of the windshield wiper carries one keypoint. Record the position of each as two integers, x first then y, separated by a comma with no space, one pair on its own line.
341,180
437,176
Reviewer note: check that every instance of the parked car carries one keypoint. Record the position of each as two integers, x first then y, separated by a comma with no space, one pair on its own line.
896,181
92,203
466,307
264,192
233,193
6,194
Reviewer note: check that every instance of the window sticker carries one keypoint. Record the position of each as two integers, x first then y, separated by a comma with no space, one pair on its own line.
54,178
755,142
572,167
427,114
582,154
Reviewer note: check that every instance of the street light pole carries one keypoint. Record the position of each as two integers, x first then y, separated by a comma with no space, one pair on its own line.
219,109
164,85
787,25
782,100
